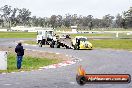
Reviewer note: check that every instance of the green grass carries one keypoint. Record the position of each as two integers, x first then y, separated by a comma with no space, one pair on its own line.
17,35
30,42
91,35
125,44
29,63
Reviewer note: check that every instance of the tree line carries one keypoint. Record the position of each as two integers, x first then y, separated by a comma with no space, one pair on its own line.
11,17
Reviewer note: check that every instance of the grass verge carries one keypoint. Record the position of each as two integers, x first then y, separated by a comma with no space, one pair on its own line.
29,63
17,35
125,44
91,35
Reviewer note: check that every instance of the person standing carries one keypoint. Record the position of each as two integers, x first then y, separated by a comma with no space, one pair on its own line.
20,52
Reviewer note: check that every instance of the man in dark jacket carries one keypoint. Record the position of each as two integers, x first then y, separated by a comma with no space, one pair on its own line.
20,52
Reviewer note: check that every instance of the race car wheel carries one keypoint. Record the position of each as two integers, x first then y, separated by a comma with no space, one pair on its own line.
40,44
58,45
52,44
75,47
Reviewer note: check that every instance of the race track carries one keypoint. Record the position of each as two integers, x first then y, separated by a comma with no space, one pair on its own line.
95,61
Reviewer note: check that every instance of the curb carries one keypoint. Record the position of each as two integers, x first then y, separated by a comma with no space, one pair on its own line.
62,64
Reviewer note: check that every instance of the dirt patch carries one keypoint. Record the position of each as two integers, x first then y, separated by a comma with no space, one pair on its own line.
38,54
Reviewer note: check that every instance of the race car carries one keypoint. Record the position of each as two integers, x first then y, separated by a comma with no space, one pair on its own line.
81,42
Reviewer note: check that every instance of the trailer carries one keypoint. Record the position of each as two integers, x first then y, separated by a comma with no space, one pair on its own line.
62,42
79,42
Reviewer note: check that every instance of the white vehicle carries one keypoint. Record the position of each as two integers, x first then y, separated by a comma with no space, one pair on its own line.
44,37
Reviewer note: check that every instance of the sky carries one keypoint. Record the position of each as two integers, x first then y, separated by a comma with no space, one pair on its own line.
46,8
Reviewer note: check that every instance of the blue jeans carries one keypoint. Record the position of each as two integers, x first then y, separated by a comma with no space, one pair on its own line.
19,61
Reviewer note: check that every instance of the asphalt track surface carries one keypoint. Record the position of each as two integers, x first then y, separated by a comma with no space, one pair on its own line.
97,61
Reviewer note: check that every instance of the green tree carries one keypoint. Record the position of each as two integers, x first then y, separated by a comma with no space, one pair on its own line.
13,17
128,17
59,20
119,21
24,16
6,11
107,20
53,20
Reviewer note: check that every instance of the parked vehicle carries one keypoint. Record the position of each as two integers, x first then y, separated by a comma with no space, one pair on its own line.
44,37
